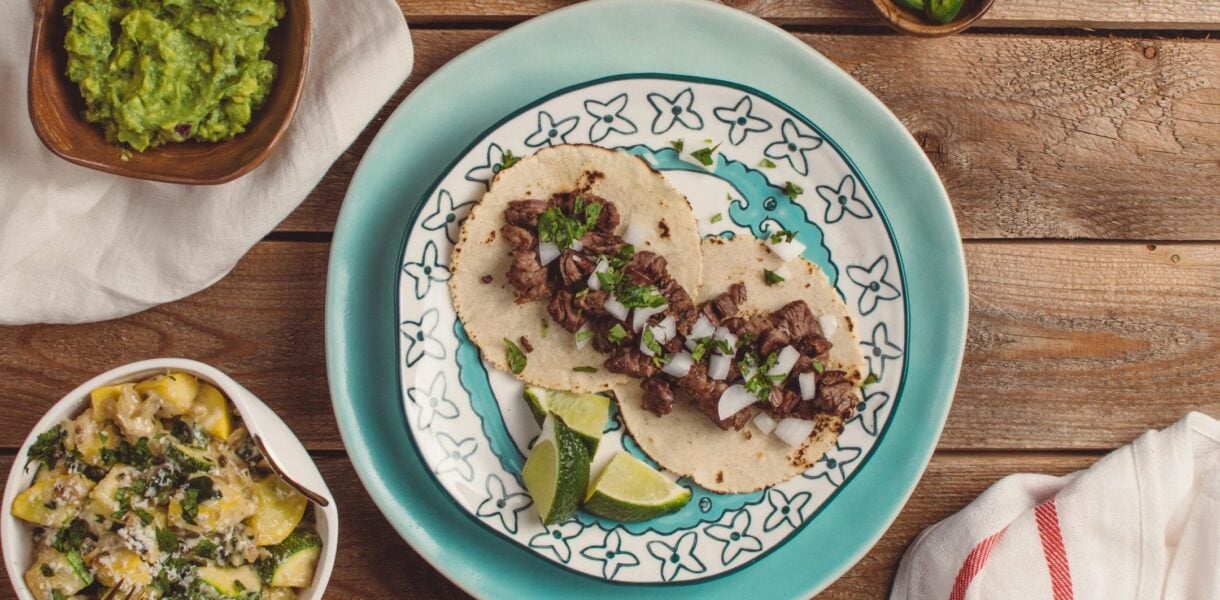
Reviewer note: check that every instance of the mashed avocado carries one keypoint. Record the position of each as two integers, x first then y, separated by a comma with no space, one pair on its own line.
157,71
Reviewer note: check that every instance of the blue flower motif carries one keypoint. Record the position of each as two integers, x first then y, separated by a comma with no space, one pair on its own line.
868,411
874,287
880,349
427,270
678,110
433,402
447,215
793,147
421,338
785,509
611,555
550,131
555,539
735,537
740,121
843,200
501,504
833,464
487,171
457,456
608,117
677,557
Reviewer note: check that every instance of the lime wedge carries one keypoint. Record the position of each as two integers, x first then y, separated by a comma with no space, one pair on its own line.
557,471
629,490
586,414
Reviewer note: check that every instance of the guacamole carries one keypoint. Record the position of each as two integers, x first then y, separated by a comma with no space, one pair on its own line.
159,71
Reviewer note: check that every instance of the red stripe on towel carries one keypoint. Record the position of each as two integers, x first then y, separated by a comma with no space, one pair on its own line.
973,564
1052,546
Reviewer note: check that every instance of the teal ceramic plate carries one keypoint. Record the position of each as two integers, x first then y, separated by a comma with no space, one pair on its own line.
438,437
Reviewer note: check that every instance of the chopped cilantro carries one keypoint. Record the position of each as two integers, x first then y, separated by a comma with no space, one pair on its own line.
622,256
545,325
760,382
818,366
584,335
701,346
204,548
650,342
46,570
167,540
585,369
556,227
678,145
516,358
137,455
616,333
772,277
704,156
508,160
610,279
767,164
70,537
145,516
639,296
47,448
716,218
792,190
870,380
782,235
58,595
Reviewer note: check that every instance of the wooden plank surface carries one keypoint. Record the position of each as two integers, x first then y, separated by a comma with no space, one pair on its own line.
1100,14
373,562
1128,147
1057,331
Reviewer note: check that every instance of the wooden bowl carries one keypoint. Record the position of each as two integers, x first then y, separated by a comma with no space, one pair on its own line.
57,109
903,20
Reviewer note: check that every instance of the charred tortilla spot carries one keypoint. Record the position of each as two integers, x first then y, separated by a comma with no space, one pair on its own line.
664,227
526,345
486,279
719,476
491,237
747,434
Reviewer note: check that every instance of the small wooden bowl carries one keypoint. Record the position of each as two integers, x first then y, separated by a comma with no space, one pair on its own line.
57,109
905,21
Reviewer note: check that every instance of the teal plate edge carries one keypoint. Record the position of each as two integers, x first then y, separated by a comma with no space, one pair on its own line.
694,38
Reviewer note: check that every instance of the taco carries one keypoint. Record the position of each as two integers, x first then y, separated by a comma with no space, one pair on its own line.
773,324
533,254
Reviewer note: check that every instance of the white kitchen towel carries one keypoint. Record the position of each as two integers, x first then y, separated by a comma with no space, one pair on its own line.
79,245
1142,523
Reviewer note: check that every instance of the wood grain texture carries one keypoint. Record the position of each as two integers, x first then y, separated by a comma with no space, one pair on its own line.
1128,147
1098,14
373,562
1060,333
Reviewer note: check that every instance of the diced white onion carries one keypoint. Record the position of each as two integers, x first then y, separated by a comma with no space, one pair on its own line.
582,338
783,272
634,235
547,252
723,333
679,364
733,400
644,347
784,362
641,315
595,284
616,308
786,250
809,385
718,366
669,327
794,432
578,245
764,422
702,328
829,325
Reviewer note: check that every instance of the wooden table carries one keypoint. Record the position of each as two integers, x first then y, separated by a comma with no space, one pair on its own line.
1079,141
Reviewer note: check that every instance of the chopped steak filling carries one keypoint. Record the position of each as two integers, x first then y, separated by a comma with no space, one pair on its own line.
581,226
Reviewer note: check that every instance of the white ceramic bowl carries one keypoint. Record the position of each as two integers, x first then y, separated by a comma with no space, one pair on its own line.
282,449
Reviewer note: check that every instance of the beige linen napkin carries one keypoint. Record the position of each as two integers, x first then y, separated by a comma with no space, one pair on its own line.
78,245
